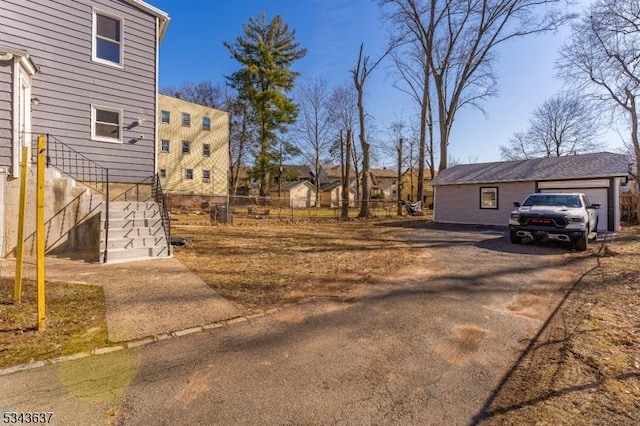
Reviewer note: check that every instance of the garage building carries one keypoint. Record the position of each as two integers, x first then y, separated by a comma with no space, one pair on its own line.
484,193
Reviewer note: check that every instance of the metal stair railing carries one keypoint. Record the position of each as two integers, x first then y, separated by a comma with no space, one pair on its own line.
80,168
160,198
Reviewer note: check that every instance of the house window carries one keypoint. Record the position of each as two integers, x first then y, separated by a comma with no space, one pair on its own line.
186,147
164,145
165,117
206,123
107,38
163,173
489,197
188,174
206,150
206,176
106,124
186,119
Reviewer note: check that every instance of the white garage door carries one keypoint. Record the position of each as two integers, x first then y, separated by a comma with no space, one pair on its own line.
596,196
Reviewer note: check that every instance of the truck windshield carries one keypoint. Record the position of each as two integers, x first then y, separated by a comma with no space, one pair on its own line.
552,200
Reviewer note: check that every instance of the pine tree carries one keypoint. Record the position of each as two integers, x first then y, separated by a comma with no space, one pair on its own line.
266,53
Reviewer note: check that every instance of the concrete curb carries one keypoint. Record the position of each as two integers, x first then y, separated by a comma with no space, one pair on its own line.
136,343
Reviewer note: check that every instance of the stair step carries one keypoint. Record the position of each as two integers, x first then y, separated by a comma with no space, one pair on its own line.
135,223
141,253
133,205
137,242
134,214
134,232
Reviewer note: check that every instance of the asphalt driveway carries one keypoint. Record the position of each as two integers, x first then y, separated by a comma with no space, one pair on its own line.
427,345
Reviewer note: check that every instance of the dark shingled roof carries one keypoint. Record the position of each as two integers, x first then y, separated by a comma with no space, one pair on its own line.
584,166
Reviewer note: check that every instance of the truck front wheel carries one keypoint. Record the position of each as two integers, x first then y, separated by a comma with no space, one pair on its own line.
513,237
581,243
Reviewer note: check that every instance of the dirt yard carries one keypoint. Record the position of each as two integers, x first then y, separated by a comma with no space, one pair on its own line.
265,265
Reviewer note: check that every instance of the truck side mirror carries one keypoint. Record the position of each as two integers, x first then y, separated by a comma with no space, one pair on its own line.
516,204
595,206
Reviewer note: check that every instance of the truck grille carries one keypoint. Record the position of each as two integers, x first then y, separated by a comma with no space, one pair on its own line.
558,222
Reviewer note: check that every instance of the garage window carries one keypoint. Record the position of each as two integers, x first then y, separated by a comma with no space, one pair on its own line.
489,197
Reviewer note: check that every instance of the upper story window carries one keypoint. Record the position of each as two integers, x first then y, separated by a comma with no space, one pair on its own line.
163,173
186,147
188,174
186,119
107,38
165,117
106,124
165,145
206,150
206,123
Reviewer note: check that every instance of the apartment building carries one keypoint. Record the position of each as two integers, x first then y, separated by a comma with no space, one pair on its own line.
193,148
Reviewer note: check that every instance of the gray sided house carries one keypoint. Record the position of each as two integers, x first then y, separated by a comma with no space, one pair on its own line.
484,193
85,73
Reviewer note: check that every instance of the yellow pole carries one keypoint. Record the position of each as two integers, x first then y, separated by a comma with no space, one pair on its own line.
42,320
22,212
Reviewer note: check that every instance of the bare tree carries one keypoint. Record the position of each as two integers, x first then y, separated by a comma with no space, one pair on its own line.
314,124
344,104
602,58
360,72
204,93
563,125
242,134
459,39
413,68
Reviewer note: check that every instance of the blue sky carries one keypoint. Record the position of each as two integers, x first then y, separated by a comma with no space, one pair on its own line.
331,31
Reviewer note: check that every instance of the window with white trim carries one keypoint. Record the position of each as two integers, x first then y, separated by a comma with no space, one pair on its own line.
188,174
186,119
165,145
186,147
206,176
206,150
165,116
107,38
163,173
206,123
106,124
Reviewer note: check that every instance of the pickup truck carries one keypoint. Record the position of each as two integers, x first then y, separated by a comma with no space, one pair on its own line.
568,217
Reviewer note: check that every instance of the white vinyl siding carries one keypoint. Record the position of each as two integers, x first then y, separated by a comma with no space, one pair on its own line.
107,38
460,204
106,124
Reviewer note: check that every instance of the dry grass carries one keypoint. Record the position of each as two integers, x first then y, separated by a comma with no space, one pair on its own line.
258,266
586,368
75,322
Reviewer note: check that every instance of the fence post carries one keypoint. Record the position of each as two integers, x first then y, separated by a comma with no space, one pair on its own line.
22,212
40,185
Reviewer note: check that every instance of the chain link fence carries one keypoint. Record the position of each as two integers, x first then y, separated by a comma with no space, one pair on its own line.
242,209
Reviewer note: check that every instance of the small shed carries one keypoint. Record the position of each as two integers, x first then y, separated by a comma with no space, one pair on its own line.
298,194
331,195
484,193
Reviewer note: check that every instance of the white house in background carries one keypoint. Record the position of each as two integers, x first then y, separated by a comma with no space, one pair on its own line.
297,194
484,194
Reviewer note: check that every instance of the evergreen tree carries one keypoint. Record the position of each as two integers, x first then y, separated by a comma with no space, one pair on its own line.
266,53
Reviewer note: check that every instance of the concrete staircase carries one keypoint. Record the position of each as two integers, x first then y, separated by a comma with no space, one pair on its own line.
136,232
